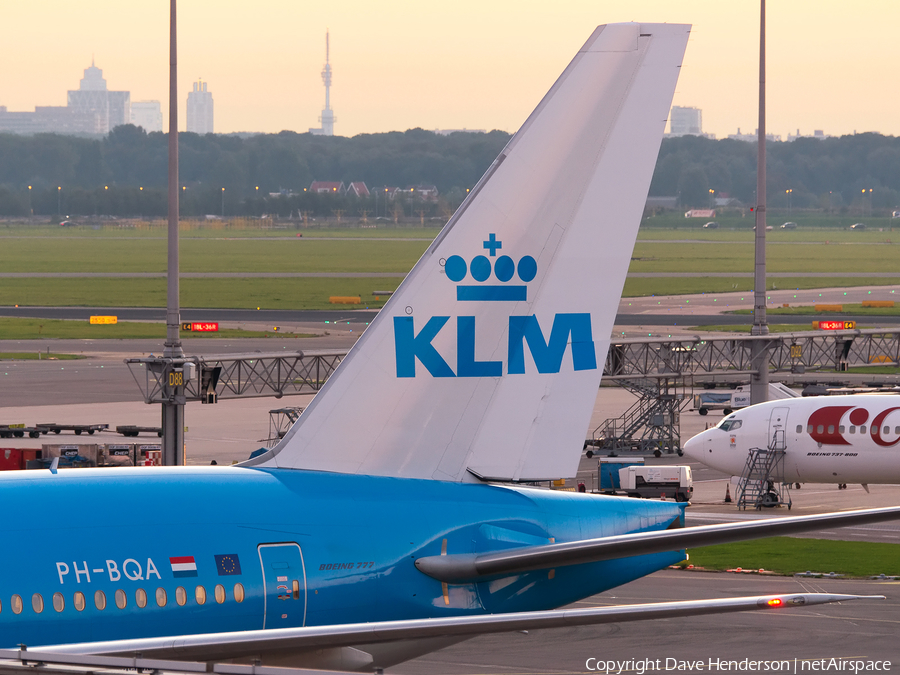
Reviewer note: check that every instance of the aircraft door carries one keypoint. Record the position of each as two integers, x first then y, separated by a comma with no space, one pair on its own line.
284,580
777,439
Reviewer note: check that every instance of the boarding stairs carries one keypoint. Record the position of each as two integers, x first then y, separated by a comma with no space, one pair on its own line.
761,483
649,426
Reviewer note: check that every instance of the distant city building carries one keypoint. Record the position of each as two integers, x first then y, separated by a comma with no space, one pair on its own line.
113,108
752,138
327,117
685,121
91,109
817,134
49,120
200,109
148,115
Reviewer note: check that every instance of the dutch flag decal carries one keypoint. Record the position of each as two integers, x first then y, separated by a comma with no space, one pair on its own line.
183,566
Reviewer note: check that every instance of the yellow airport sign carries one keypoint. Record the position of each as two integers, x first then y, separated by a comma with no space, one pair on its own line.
104,319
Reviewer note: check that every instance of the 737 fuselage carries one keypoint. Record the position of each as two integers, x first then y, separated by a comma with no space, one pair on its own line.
216,550
834,439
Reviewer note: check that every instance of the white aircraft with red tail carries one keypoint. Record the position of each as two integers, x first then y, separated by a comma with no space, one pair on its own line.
835,439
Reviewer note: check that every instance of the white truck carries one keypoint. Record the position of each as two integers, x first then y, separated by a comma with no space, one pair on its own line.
729,401
670,482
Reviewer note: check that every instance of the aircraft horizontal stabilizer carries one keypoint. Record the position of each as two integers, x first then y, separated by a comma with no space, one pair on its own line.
220,646
472,566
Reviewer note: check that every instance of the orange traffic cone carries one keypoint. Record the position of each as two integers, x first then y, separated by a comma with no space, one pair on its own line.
727,493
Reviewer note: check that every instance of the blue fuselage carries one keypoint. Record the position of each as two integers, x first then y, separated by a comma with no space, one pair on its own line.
117,553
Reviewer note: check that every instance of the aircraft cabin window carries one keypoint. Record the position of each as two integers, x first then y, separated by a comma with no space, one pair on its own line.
16,603
820,429
897,430
873,430
100,600
799,428
862,428
841,429
140,598
887,430
852,429
121,599
180,595
59,602
220,593
809,429
238,592
830,428
200,595
37,603
161,597
78,601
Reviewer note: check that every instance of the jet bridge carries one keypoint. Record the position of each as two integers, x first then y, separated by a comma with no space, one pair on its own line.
657,370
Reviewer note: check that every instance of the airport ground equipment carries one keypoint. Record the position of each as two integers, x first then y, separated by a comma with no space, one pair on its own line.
608,472
727,401
650,426
134,430
78,429
761,483
280,420
18,431
671,482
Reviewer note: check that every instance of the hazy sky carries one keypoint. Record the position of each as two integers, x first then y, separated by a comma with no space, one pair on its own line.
833,65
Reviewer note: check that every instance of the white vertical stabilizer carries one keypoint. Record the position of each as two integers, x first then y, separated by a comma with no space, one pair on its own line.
486,361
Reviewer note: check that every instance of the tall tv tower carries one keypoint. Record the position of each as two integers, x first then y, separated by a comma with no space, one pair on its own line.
327,116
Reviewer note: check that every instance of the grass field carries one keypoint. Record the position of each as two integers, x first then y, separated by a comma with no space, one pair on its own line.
304,293
28,329
689,285
810,310
38,356
787,555
209,255
221,247
215,230
735,220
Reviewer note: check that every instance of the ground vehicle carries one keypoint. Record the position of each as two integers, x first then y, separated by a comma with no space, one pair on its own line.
711,226
789,226
858,226
727,401
670,482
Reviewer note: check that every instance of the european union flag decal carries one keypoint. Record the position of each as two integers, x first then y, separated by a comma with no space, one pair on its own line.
228,564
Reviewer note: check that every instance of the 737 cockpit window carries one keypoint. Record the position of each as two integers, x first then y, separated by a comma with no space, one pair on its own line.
730,424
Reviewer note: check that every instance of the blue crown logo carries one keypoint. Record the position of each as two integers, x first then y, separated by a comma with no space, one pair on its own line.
503,268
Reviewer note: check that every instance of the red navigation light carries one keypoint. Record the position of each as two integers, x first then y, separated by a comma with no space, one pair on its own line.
775,602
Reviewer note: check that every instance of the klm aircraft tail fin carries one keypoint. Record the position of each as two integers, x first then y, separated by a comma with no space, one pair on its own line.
486,361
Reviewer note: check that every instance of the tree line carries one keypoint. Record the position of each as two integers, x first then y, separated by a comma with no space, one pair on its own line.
125,172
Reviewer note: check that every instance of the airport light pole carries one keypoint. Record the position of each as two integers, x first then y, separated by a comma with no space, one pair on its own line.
759,353
173,408
789,192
